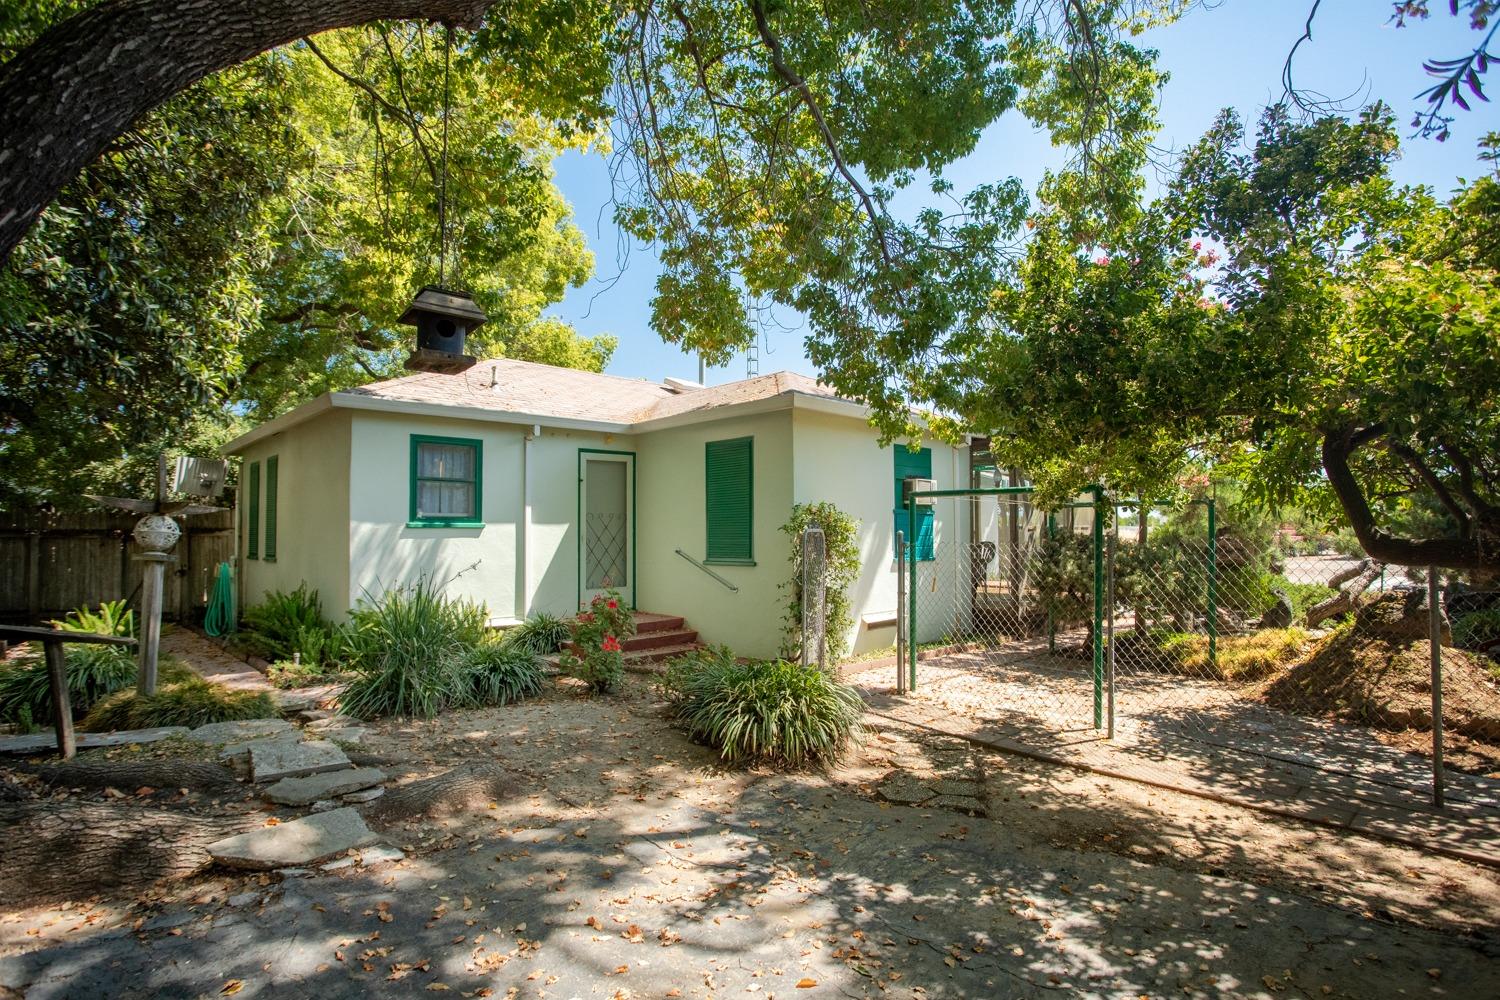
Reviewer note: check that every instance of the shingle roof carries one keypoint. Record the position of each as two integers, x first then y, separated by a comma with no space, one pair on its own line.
506,386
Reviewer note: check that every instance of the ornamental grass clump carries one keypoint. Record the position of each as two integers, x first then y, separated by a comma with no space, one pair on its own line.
767,711
408,649
498,673
541,633
596,655
181,699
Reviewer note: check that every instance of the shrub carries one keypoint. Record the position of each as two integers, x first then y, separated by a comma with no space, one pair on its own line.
1477,629
182,699
498,673
597,658
541,634
841,548
672,683
287,623
1238,657
93,671
768,711
407,649
291,674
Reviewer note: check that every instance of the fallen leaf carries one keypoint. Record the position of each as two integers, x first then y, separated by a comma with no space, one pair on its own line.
232,987
806,984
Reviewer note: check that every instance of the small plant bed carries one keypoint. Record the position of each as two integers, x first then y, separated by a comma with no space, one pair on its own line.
414,652
94,672
769,712
1238,659
182,698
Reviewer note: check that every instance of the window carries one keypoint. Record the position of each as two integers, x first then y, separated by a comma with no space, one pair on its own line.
269,555
909,463
252,547
728,485
445,478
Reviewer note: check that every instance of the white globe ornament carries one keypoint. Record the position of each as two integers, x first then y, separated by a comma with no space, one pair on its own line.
156,533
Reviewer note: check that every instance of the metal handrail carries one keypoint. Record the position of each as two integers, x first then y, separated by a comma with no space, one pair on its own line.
708,571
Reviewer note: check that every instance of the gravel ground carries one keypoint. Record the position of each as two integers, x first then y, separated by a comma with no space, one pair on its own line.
631,866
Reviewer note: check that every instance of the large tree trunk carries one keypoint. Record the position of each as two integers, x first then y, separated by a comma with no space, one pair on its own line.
65,849
66,96
1347,599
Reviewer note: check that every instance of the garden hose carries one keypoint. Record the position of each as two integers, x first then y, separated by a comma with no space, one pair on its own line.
219,620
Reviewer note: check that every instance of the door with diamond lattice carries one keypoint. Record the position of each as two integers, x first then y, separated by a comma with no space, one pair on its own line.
606,516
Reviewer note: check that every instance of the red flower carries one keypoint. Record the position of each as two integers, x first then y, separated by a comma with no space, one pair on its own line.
585,617
610,644
612,605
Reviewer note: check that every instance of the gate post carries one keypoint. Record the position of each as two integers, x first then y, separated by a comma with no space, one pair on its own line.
1435,641
1109,638
911,593
814,619
1051,621
901,638
1213,585
1098,607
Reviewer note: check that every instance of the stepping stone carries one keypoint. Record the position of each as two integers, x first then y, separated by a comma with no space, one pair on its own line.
300,842
237,732
330,720
962,803
904,790
45,740
368,795
380,855
272,759
953,786
240,748
326,785
344,734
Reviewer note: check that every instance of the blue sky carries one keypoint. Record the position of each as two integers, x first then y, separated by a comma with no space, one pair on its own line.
1228,55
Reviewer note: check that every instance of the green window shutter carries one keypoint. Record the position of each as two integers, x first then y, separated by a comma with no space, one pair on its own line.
252,547
908,464
271,476
729,482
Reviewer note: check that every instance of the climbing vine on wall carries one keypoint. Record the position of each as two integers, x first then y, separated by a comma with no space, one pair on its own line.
840,534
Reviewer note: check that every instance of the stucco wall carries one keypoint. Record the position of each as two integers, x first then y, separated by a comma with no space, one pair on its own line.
479,563
672,514
839,460
312,513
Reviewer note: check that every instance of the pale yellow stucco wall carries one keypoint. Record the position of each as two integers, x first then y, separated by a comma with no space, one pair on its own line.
672,514
312,513
839,460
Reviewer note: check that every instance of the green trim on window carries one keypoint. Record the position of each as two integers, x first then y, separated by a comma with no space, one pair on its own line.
268,553
252,547
476,518
729,501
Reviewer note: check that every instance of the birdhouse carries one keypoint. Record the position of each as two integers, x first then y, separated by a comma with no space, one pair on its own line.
444,318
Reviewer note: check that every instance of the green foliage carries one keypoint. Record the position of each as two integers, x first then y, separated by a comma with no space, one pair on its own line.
287,623
841,547
292,674
1346,328
672,683
110,618
1238,658
1302,595
541,633
1062,572
1477,629
767,711
407,649
598,659
181,699
497,673
94,671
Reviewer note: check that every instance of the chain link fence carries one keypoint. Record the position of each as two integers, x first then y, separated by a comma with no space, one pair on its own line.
1157,626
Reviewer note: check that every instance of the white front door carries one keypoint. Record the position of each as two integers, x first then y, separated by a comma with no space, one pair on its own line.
606,516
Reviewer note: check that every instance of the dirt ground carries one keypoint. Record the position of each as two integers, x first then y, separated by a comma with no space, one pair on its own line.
628,865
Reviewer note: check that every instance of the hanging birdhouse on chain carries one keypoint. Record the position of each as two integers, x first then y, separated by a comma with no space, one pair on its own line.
443,318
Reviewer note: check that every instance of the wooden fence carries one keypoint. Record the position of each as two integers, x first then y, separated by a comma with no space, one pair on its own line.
50,564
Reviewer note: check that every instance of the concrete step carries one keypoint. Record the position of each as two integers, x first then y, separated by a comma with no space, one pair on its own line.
658,638
661,653
646,621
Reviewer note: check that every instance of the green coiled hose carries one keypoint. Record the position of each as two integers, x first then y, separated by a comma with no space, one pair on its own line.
219,620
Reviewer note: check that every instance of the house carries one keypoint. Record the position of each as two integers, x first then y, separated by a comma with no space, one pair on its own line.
533,488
